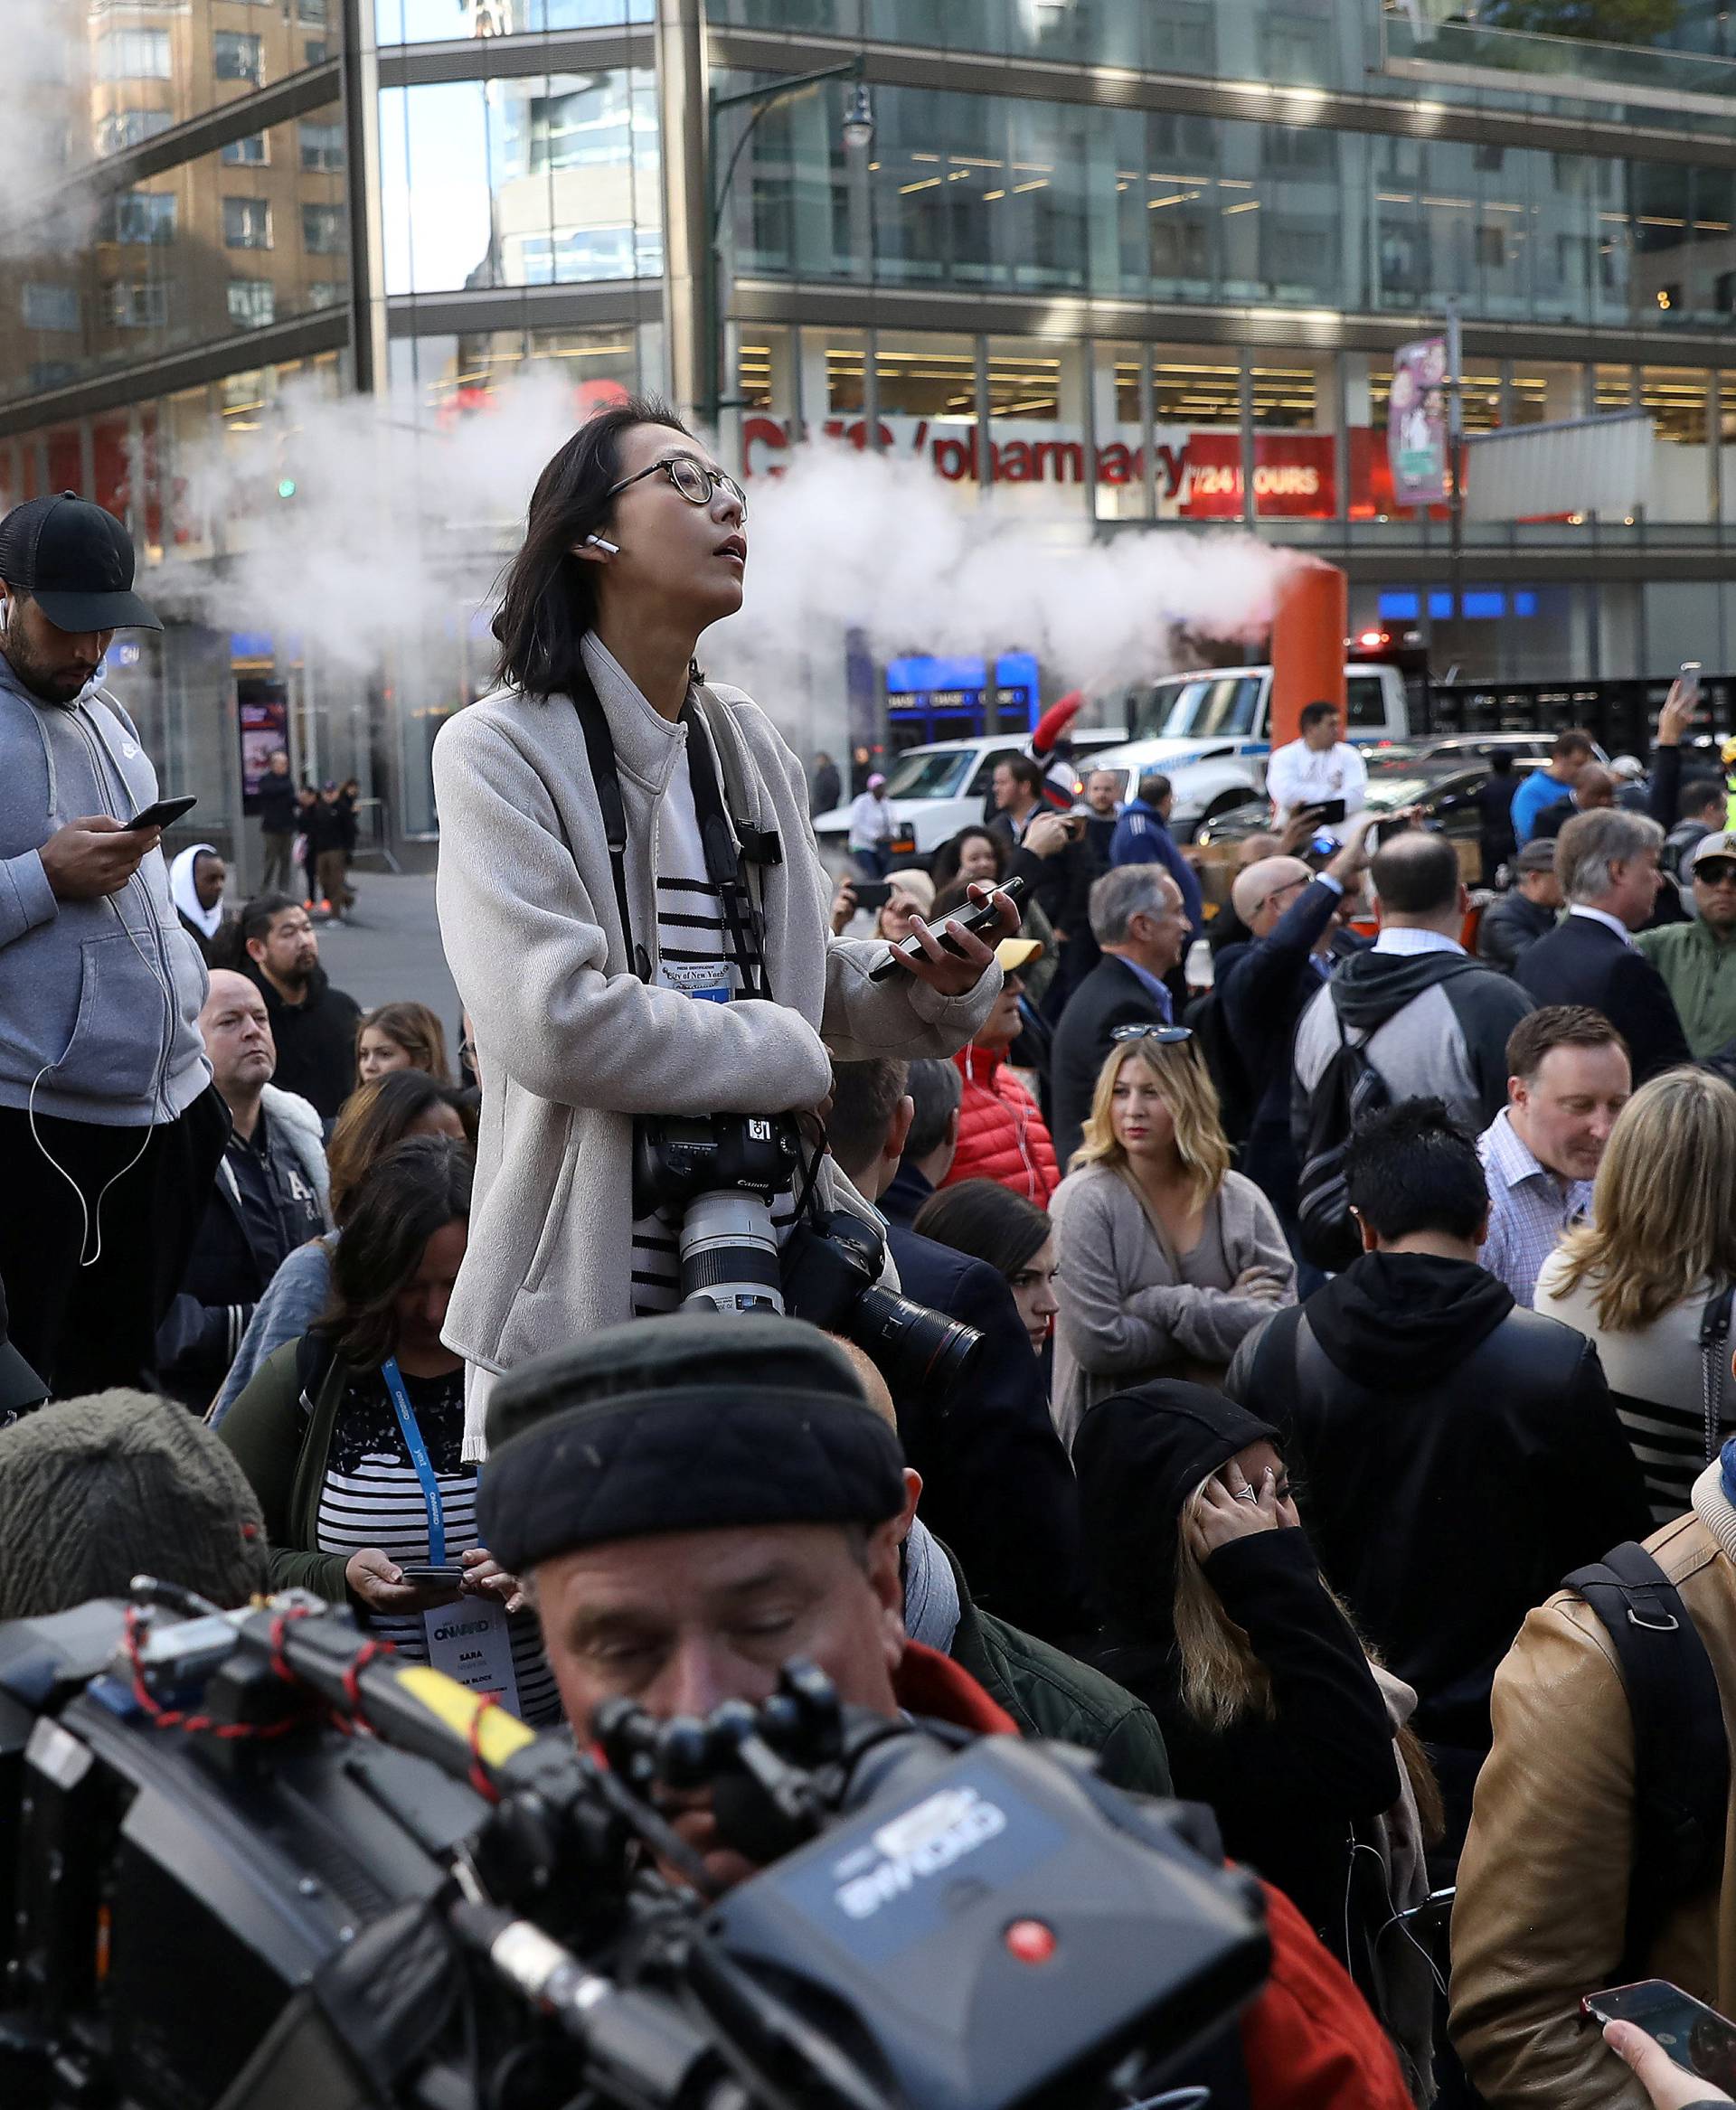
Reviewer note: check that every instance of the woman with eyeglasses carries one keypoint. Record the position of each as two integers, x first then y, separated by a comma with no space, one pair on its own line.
1168,1258
630,899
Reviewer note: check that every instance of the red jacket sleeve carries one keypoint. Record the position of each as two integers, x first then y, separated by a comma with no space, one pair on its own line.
1310,2042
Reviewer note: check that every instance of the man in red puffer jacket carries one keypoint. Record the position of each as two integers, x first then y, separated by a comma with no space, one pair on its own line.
1002,1136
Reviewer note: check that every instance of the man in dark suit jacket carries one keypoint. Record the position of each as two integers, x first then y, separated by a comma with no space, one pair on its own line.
996,1483
1141,924
1607,863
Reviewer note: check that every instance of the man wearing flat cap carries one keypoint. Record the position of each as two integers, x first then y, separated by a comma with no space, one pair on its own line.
110,1129
697,1501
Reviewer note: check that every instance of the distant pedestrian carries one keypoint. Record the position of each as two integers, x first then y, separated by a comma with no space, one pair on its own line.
306,805
1100,803
280,818
1514,922
827,788
1492,799
1142,837
1553,785
872,822
1319,768
327,831
196,882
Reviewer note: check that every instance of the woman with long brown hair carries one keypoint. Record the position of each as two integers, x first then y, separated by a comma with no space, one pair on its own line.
1649,1279
1168,1258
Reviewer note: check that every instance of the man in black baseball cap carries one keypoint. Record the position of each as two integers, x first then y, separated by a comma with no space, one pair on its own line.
111,1131
67,567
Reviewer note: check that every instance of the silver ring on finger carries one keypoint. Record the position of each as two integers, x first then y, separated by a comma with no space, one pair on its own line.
1247,1494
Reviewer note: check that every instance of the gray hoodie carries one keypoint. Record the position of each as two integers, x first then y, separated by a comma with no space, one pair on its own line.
98,999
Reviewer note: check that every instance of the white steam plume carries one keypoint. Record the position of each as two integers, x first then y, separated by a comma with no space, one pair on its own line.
392,526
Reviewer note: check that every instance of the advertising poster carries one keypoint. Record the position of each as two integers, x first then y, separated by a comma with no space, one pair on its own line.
1415,422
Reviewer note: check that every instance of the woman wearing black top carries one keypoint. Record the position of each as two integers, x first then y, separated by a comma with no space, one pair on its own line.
1215,1616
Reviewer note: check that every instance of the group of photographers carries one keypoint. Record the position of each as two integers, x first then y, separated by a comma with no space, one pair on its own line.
665,1021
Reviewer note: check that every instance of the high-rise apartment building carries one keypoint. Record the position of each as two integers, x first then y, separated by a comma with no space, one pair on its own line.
1106,264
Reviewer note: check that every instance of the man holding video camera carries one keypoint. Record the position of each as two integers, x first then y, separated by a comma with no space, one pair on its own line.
697,1504
636,919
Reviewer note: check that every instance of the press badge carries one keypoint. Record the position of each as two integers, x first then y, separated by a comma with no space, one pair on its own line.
470,1641
711,981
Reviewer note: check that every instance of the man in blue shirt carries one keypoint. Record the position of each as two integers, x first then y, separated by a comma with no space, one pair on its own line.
1142,837
1543,788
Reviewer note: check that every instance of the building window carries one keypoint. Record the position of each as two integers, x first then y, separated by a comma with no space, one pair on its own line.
141,216
248,151
322,149
123,128
138,304
1491,247
50,307
310,10
247,224
133,54
322,230
252,302
313,51
238,55
326,292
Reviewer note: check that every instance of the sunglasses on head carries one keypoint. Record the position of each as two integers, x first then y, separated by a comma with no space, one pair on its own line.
1165,1036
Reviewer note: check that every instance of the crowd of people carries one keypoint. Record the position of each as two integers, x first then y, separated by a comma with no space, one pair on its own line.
1332,1309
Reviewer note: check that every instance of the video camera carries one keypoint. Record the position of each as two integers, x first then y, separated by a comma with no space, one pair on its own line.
257,1864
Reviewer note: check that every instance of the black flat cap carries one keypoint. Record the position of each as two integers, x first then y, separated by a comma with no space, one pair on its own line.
693,1423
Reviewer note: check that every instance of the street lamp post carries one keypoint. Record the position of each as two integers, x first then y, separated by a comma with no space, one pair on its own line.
858,135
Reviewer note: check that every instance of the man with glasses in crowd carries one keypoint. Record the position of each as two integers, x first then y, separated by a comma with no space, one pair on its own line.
1697,959
1267,983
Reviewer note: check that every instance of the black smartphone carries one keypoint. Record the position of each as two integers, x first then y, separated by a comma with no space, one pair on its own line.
983,916
1326,812
160,815
871,893
429,1578
1694,2035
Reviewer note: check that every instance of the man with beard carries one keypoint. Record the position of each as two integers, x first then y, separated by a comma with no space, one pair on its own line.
109,1126
313,1025
698,1503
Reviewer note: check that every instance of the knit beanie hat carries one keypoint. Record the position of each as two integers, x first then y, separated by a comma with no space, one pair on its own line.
96,1491
691,1423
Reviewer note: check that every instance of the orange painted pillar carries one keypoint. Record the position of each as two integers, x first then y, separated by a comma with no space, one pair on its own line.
1308,629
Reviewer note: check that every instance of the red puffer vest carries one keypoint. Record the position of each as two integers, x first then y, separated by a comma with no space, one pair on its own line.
1001,1133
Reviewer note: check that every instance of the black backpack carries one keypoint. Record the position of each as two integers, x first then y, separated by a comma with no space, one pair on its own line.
1681,1753
1349,1089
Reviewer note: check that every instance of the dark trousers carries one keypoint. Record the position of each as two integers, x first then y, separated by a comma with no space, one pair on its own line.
275,878
84,1328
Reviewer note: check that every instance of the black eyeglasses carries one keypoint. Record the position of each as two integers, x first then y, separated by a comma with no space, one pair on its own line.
696,483
1716,870
1165,1036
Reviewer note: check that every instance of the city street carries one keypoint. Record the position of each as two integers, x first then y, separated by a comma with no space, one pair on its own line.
392,949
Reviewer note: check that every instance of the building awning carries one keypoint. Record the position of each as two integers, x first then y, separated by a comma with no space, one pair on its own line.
1577,465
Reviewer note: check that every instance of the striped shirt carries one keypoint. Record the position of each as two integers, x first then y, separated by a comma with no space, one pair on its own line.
1657,1382
1530,1211
371,1496
694,948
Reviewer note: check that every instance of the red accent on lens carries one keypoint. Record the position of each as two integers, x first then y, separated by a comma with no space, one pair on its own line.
1031,1941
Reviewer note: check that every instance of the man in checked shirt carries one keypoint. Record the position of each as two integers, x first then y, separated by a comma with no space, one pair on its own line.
1568,1077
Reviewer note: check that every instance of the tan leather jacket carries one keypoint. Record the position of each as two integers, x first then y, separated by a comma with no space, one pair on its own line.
1542,1885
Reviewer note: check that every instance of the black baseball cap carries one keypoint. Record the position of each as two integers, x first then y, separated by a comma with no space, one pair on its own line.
76,560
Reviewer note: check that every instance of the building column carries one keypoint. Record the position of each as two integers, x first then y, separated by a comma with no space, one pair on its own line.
683,88
361,102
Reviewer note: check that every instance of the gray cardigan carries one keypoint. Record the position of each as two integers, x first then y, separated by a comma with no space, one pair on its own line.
573,1046
1128,1314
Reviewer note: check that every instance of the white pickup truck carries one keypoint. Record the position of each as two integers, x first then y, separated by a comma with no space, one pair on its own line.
1210,733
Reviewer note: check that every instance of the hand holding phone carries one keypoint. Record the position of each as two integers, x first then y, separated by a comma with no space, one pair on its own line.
872,894
162,814
1687,2030
984,917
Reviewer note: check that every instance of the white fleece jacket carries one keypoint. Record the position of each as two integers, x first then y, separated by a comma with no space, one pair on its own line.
571,1045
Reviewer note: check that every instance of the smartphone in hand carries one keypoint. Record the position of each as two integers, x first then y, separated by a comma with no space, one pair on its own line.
1696,2036
160,815
984,916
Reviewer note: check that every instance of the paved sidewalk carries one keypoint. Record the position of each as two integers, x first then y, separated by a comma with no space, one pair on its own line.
392,949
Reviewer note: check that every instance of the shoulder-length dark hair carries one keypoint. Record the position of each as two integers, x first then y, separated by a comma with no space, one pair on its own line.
986,1220
415,1189
374,1117
549,601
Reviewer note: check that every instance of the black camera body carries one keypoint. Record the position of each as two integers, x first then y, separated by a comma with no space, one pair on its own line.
831,1277
679,1157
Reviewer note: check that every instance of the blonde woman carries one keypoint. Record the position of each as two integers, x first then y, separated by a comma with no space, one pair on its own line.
1168,1258
1213,1613
1652,1270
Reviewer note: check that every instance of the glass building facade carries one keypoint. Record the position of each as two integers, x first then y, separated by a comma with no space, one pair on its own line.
1109,264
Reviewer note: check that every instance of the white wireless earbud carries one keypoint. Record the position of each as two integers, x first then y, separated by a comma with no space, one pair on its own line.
601,543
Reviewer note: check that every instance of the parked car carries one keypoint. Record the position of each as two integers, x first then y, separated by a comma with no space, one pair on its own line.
934,791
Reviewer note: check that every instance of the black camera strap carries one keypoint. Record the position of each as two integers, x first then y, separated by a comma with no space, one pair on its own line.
725,864
600,747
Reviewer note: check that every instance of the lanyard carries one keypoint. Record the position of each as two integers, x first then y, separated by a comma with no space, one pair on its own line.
419,1457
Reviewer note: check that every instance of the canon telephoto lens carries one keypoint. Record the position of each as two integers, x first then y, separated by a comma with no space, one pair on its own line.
911,1344
729,1255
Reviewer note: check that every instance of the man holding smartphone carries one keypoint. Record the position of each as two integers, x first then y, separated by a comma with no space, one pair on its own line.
1320,769
110,1130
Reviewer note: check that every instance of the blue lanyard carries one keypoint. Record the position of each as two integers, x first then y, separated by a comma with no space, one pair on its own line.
419,1457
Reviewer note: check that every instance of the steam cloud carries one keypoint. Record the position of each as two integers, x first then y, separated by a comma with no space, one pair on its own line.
393,527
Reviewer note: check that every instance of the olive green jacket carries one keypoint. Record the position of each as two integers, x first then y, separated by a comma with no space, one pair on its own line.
1699,970
281,1445
1049,1694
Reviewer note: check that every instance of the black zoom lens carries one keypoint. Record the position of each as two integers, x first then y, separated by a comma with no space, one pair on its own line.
912,1344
